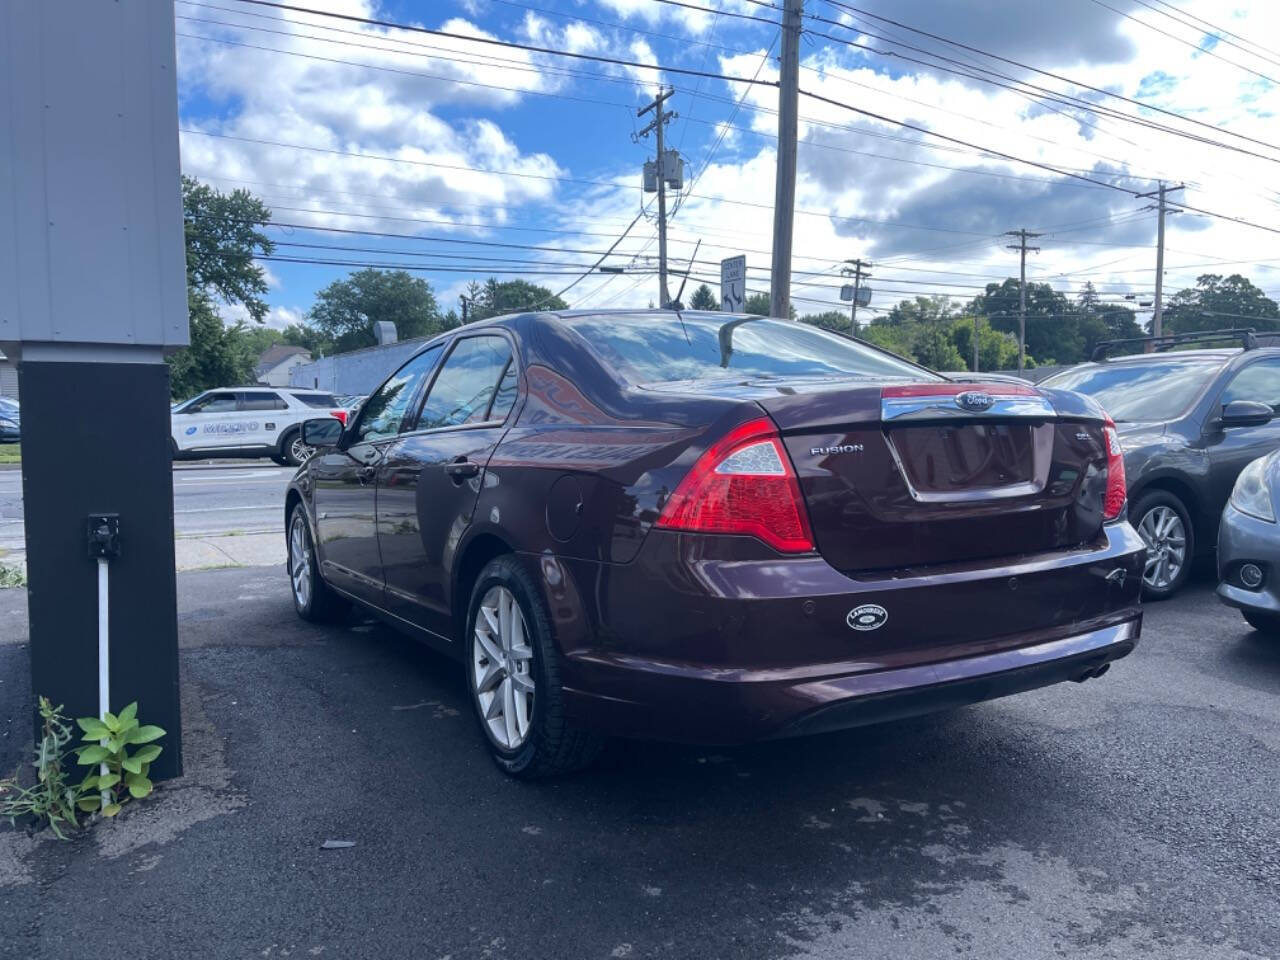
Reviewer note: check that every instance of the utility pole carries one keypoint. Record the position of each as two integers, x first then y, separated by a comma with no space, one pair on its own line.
657,126
784,198
1158,307
1021,246
975,341
858,272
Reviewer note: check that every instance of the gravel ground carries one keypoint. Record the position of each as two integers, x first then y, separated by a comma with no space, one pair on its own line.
1132,816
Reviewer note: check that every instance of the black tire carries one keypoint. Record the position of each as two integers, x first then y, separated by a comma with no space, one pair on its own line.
554,745
1267,623
288,448
314,602
1147,503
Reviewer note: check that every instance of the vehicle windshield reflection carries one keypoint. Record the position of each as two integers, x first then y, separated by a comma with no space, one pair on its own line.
646,349
1140,392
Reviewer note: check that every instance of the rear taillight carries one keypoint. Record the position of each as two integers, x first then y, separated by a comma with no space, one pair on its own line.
340,415
1113,502
743,484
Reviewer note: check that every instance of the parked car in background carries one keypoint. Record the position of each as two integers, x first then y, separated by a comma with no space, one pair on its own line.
1249,545
715,528
1190,420
10,421
248,422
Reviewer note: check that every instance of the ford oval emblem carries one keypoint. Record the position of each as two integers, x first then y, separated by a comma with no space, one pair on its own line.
869,616
975,401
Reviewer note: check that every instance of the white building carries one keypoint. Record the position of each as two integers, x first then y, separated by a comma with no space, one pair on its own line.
276,364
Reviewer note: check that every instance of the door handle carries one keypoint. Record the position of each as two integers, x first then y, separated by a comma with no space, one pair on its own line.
461,469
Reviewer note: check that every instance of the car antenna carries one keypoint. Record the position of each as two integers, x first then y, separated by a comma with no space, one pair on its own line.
678,305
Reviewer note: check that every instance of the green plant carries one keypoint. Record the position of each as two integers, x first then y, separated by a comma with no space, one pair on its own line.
108,745
12,576
51,798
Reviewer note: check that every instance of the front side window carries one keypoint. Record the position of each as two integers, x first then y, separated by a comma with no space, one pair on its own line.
472,378
646,349
1260,382
262,400
384,412
214,403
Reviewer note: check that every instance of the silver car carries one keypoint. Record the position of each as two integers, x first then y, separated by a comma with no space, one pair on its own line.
1249,545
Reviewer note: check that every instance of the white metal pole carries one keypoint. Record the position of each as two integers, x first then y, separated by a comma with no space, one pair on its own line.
104,652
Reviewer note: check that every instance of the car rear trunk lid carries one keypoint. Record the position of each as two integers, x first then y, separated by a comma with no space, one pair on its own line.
910,475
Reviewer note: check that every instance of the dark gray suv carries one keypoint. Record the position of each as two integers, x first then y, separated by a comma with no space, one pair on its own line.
1190,420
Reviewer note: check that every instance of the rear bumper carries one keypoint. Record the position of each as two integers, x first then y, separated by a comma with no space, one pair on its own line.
706,709
715,652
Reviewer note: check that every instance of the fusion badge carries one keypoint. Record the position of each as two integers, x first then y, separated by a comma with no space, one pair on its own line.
869,616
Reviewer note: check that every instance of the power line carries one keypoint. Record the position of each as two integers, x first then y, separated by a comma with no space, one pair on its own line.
509,44
453,55
1048,73
1218,33
1043,94
724,127
1185,42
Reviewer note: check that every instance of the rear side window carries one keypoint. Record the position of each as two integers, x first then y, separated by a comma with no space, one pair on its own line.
648,349
262,400
325,400
1260,381
468,384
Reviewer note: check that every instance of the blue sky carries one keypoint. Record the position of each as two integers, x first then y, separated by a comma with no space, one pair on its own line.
491,145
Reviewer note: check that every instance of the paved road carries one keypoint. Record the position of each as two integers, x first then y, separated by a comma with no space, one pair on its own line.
1132,816
240,497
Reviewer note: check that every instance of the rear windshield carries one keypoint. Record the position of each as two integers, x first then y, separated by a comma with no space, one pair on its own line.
649,349
318,399
1140,391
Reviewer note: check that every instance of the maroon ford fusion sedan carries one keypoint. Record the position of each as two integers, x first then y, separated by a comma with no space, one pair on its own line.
715,528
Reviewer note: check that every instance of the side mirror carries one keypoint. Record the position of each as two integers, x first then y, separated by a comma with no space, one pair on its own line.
323,432
1246,413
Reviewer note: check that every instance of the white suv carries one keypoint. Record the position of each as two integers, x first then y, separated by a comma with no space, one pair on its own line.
249,422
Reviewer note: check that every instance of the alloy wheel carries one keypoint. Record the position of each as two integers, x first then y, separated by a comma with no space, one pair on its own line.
1166,538
502,668
299,450
300,562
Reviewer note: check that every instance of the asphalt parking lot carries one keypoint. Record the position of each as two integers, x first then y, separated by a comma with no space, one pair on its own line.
1132,816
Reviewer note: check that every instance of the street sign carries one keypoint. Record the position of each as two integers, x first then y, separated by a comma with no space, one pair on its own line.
733,284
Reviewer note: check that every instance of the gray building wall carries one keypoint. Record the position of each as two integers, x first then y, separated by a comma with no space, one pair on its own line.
360,371
91,248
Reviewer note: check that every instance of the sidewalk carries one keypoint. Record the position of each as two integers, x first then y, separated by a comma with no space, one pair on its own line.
204,552
235,550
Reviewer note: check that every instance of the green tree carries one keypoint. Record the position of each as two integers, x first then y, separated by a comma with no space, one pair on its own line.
346,310
222,238
836,320
219,356
260,339
301,335
996,350
759,305
703,299
1054,331
894,338
1216,302
495,298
